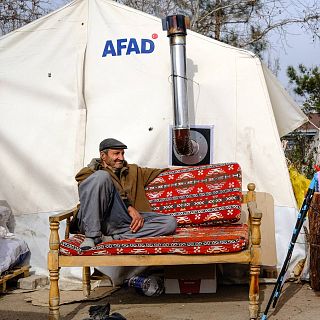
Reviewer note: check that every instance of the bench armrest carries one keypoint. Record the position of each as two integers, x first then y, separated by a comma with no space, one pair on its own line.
254,212
55,222
63,215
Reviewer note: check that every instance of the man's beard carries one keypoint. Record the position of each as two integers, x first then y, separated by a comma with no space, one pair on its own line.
118,164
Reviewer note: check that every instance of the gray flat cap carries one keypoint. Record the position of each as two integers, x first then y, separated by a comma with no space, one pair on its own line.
111,143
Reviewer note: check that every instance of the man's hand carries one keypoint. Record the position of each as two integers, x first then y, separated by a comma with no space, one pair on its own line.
137,220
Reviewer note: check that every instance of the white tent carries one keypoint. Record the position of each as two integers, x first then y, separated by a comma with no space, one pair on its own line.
97,69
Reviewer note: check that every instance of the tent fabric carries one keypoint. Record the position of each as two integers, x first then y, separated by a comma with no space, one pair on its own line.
42,123
97,69
287,114
64,97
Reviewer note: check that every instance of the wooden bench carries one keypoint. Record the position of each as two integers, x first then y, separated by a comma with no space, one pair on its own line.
251,255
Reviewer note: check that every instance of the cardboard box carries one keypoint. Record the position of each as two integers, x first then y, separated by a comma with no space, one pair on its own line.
190,279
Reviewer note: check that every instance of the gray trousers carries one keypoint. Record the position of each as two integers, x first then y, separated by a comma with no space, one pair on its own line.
102,212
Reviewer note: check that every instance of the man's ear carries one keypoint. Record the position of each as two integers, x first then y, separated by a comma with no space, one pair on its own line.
102,155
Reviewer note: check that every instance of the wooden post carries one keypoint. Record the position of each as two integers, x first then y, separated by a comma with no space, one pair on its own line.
254,291
53,266
255,216
314,239
251,195
86,281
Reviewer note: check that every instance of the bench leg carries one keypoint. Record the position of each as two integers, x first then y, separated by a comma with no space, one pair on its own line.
54,295
86,281
254,292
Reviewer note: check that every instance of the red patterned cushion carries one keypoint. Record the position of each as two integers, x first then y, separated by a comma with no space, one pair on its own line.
187,240
197,195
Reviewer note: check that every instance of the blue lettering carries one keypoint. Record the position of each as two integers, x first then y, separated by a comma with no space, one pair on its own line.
121,45
109,49
147,46
133,47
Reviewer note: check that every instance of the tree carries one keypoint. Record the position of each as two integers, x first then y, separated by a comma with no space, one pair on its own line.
306,85
241,23
16,13
305,149
302,152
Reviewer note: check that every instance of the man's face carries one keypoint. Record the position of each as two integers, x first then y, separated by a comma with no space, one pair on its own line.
113,158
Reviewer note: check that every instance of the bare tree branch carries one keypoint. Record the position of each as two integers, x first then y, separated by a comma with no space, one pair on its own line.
281,24
243,23
16,13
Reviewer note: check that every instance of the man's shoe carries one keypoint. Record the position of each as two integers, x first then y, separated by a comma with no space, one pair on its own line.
87,244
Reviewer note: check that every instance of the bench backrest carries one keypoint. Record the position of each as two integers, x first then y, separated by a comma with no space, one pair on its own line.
206,194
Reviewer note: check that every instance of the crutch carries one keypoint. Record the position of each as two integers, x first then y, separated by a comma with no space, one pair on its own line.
301,217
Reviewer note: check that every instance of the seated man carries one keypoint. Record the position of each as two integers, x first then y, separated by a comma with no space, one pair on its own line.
113,201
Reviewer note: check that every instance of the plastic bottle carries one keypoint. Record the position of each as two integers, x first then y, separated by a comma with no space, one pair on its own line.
147,285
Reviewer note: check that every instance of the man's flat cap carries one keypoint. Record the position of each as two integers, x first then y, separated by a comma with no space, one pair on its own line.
111,143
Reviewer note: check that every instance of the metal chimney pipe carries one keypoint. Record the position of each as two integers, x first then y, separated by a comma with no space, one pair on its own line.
176,26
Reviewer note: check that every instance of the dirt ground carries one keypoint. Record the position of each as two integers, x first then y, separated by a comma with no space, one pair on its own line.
298,302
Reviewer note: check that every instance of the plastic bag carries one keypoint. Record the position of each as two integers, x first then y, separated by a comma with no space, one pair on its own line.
300,185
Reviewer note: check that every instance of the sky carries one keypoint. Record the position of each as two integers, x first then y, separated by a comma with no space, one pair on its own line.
299,48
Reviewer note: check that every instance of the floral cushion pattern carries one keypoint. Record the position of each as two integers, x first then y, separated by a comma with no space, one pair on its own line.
196,195
187,240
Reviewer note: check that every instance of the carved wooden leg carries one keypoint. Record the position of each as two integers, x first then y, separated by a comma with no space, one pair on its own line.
86,281
255,222
254,292
54,295
53,267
